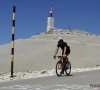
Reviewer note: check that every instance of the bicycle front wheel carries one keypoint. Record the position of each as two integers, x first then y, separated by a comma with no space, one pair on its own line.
58,68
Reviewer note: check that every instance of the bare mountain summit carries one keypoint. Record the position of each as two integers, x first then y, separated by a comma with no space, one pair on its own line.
36,52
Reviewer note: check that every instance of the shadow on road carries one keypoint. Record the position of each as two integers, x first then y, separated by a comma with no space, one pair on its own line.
70,75
66,75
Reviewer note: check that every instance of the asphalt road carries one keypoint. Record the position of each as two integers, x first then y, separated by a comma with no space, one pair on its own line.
76,81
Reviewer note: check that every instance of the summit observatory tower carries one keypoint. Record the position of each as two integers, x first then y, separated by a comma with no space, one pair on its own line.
50,21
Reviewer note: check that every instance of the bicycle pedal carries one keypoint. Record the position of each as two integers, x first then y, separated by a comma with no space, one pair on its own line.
62,72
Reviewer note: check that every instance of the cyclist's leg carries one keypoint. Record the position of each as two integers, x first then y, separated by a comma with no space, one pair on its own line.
66,57
67,61
62,62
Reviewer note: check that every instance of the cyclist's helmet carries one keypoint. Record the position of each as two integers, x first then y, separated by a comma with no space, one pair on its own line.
60,39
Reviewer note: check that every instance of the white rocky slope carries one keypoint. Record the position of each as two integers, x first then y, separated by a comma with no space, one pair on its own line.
36,53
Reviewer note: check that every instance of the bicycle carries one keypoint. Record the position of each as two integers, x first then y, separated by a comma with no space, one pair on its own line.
62,66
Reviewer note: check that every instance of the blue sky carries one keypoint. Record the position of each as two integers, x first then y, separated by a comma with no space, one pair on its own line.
31,16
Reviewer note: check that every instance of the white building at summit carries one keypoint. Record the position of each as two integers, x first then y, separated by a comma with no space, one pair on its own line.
51,29
50,22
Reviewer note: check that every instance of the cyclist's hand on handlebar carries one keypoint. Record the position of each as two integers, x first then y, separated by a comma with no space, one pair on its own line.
54,57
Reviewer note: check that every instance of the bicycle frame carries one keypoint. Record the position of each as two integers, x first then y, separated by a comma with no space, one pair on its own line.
61,61
62,66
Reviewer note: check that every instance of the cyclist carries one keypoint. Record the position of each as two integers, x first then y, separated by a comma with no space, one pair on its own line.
65,50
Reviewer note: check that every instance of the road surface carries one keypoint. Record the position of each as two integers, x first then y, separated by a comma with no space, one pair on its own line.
76,81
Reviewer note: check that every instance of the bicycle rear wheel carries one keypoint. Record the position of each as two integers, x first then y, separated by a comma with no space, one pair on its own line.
58,68
68,69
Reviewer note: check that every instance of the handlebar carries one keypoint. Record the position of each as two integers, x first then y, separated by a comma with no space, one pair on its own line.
58,56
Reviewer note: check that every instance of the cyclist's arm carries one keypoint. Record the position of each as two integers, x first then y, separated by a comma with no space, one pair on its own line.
56,51
65,48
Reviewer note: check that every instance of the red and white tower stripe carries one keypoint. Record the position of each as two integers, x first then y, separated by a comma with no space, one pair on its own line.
51,11
50,21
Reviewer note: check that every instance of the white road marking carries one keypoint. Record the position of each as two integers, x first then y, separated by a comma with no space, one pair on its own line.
82,76
51,87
